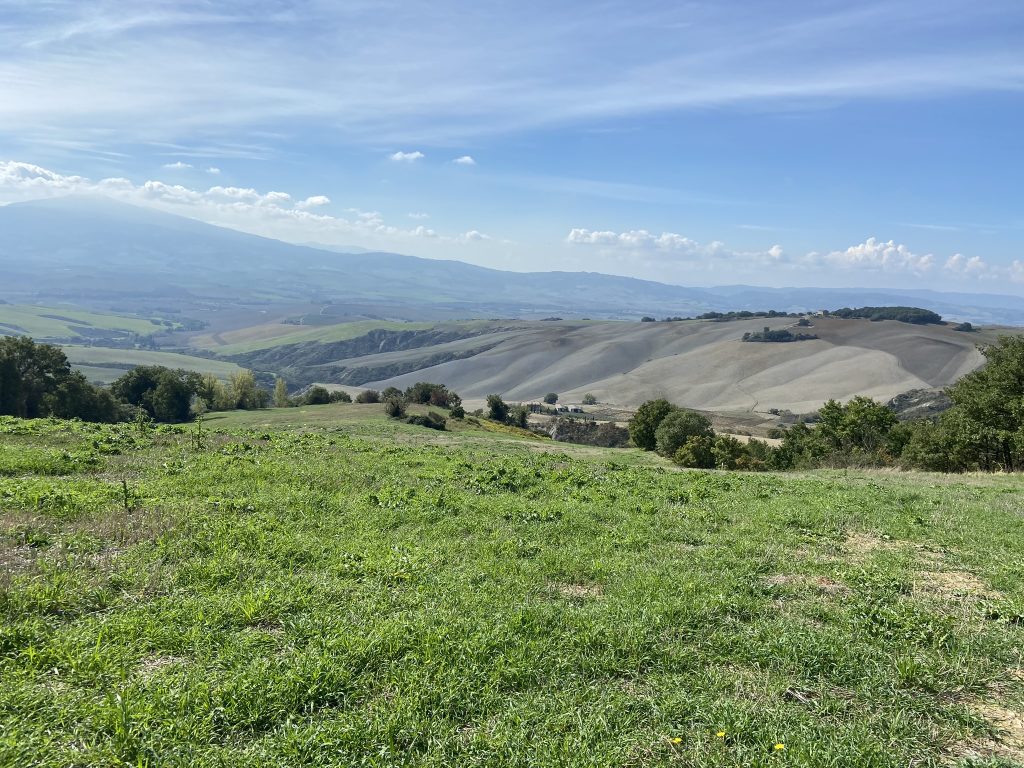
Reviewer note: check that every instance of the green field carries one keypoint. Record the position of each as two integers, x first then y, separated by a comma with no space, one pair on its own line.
103,364
42,323
279,334
324,587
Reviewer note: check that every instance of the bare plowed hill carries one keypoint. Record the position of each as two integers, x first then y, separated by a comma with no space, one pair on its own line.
703,364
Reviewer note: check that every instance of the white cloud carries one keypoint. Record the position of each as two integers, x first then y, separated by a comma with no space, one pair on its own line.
213,171
873,255
887,256
418,215
273,214
464,160
178,166
667,245
406,157
313,202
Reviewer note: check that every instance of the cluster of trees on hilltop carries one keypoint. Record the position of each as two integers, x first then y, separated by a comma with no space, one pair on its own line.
983,430
781,335
914,315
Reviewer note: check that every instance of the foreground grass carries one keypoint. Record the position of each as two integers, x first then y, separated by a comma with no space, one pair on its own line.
368,593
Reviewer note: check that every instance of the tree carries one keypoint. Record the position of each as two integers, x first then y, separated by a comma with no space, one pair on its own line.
518,416
28,372
340,396
368,396
646,420
589,399
317,395
551,398
727,452
988,407
244,391
164,394
281,399
497,409
677,428
861,426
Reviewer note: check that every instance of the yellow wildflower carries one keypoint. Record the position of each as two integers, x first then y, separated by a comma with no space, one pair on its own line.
677,740
780,746
720,734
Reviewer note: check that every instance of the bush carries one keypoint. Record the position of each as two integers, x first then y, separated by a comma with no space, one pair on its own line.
368,396
697,452
458,412
727,452
497,409
432,420
589,399
551,398
645,422
518,416
395,407
317,396
677,428
340,396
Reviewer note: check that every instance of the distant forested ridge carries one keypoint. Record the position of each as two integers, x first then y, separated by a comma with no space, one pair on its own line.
914,315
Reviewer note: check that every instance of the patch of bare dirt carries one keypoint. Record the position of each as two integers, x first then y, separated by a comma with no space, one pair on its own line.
577,591
822,584
153,664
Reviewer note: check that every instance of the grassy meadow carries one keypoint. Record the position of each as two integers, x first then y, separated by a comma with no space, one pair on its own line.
325,587
104,364
66,322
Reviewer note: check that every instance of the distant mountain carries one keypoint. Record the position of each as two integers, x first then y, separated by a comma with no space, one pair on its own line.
100,252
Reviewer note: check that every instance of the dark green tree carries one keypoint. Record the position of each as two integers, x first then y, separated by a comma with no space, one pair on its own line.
551,398
497,409
645,422
677,428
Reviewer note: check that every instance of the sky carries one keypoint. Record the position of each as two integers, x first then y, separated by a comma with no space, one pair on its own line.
767,142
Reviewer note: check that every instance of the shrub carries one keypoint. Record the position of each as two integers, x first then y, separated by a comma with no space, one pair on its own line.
518,416
368,396
318,396
551,398
395,407
697,452
497,409
458,412
432,420
340,396
677,428
589,399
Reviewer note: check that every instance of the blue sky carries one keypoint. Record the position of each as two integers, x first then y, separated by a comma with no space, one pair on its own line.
776,143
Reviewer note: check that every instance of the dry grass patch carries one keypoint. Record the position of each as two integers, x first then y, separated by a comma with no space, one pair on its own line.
578,592
153,664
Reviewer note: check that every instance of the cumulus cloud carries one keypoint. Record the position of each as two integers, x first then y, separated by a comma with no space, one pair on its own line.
313,202
274,214
178,166
464,160
667,245
873,254
406,157
213,171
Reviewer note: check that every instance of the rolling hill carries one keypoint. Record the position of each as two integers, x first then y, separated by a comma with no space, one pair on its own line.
109,255
700,364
